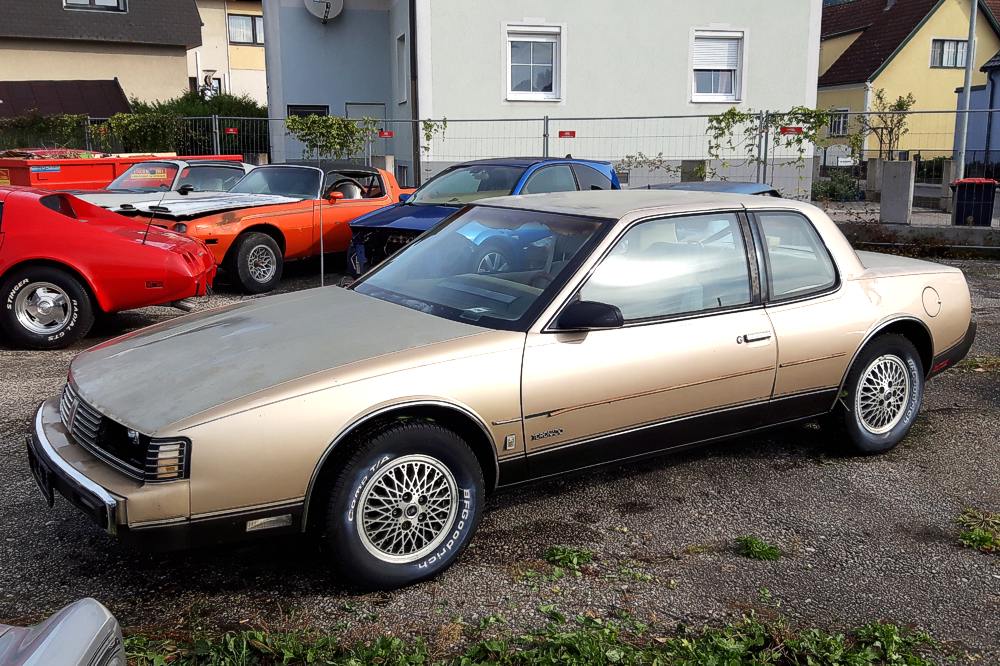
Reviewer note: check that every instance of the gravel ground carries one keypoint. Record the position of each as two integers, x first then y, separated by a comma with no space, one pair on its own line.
864,539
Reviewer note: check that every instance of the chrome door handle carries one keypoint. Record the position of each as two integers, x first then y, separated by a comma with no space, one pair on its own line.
757,337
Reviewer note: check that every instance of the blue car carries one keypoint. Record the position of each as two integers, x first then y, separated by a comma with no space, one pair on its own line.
381,233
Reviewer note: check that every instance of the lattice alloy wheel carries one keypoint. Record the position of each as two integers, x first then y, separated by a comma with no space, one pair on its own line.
407,508
882,394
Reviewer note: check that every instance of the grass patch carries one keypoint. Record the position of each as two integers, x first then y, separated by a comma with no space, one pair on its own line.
568,558
980,363
757,549
980,530
578,642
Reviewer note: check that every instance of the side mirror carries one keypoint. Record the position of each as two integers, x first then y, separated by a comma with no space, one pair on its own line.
185,189
403,198
589,315
334,197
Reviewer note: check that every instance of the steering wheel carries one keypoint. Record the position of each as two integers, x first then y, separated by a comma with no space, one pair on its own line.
345,179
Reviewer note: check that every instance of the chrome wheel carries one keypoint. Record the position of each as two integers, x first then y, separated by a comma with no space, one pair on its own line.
492,262
882,394
406,509
262,263
43,308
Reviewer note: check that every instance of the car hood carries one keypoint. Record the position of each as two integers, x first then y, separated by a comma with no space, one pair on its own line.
160,375
189,208
412,217
116,198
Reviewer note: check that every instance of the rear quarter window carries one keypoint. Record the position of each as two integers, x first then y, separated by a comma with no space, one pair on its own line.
590,178
60,204
798,262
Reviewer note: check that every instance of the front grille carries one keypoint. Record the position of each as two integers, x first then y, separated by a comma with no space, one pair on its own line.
380,244
100,435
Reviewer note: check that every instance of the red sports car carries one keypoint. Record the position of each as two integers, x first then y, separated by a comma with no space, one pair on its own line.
62,260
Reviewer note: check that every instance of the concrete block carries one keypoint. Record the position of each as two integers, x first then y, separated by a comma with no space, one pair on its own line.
947,175
897,192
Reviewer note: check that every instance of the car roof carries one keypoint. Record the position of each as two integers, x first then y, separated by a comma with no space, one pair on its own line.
616,204
735,187
525,162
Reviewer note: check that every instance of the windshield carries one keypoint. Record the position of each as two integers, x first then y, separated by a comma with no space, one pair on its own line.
146,177
210,178
298,182
495,267
469,183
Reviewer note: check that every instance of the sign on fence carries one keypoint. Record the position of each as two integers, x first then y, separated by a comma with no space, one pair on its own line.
232,130
792,130
567,134
386,134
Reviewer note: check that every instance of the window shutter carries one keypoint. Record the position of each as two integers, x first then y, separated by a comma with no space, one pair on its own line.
716,53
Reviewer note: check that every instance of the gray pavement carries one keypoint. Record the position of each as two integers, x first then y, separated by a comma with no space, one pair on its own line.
864,538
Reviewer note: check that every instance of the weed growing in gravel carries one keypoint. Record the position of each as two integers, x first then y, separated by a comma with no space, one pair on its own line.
757,549
980,530
980,364
568,558
585,641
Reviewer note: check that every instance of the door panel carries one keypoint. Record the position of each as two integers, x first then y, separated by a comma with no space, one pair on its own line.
580,385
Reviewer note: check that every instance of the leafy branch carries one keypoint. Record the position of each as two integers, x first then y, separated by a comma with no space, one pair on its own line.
431,128
331,136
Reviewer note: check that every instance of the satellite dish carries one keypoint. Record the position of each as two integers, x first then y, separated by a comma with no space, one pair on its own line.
325,10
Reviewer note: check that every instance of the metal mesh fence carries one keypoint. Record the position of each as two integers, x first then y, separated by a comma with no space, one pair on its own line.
836,170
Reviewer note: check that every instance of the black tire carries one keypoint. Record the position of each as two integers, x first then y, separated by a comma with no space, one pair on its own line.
867,434
385,452
72,306
492,258
245,258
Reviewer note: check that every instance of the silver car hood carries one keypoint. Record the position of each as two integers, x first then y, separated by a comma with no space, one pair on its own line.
179,209
113,200
159,375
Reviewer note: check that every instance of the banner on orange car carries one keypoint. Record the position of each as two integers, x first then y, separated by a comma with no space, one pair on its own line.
4,176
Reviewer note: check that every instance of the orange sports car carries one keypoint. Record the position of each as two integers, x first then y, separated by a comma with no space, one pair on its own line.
276,213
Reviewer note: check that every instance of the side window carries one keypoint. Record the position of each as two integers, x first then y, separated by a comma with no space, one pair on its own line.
674,266
591,179
558,178
210,178
798,262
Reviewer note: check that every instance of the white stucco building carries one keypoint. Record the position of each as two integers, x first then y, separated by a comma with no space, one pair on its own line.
517,61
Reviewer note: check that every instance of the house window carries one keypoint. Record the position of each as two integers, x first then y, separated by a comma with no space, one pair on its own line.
838,122
101,5
402,75
949,53
308,110
717,60
533,61
246,30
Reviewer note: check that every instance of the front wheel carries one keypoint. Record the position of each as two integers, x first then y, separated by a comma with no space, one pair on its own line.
256,262
403,506
882,395
44,308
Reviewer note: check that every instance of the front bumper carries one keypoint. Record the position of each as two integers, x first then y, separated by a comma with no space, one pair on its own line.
53,473
50,452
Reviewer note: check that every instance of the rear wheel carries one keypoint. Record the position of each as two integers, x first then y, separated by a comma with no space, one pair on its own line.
404,506
256,262
492,258
44,308
882,395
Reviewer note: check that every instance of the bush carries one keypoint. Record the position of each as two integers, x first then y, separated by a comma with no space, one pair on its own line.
193,104
841,187
34,130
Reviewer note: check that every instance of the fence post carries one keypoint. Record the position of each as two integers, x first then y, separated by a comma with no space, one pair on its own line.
760,144
86,134
766,138
216,144
545,136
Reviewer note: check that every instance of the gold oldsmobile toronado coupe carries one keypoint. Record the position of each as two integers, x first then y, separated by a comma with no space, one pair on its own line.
622,324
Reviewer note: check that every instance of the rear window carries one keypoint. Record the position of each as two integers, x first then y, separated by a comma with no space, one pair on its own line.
210,178
59,203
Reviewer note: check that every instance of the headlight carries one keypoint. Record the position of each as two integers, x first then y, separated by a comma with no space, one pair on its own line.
167,460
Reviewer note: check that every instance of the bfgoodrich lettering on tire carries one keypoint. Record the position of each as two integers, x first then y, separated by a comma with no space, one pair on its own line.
403,506
43,307
882,395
